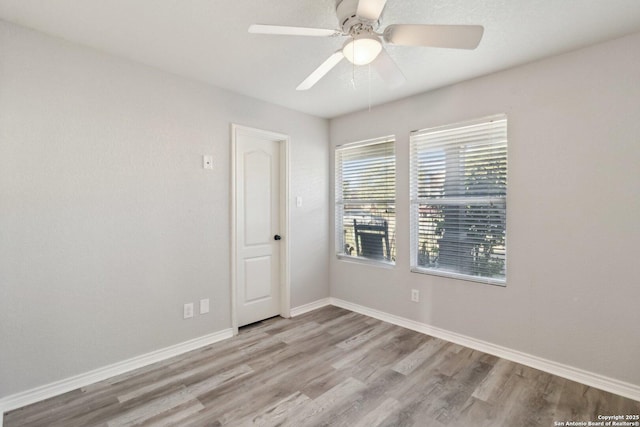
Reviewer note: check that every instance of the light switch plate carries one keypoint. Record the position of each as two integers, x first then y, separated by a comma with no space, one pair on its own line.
299,201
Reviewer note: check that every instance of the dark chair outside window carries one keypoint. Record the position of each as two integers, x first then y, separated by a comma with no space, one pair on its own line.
372,239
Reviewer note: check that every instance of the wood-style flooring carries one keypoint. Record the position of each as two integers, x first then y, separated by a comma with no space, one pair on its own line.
329,367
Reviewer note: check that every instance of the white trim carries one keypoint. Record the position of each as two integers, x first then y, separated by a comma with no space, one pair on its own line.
56,388
622,388
366,261
232,222
305,308
285,273
460,276
366,142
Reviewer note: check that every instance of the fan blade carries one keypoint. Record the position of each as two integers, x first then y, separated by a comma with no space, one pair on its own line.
291,31
320,72
370,9
449,36
387,68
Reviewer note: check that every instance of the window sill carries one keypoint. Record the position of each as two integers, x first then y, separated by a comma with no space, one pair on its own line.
366,261
459,276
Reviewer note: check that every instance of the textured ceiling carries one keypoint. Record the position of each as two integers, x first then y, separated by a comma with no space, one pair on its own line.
208,40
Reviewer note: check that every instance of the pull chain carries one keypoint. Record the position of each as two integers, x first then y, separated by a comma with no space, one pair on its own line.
369,66
353,66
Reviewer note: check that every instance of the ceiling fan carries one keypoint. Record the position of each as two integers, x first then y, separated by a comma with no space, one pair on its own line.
360,20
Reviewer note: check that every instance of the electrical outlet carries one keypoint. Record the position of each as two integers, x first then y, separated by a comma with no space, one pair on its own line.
204,306
415,295
188,310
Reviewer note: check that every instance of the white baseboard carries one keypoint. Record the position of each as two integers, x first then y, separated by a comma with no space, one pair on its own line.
297,311
37,394
632,391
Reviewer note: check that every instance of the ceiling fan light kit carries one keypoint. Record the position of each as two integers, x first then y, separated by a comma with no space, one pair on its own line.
362,49
359,20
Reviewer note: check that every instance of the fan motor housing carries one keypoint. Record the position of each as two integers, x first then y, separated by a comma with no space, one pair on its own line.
350,23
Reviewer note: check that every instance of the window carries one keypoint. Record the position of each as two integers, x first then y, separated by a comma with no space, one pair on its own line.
365,200
458,200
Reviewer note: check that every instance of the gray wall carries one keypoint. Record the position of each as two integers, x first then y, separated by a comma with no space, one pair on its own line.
573,211
108,223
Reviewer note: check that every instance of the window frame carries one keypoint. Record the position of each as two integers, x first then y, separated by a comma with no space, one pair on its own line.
340,203
415,202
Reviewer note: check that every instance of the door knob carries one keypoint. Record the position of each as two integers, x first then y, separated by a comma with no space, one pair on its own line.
277,237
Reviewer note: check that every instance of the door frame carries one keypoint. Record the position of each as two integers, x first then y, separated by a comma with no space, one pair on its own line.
285,280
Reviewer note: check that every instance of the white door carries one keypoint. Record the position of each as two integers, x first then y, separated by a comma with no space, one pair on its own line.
258,222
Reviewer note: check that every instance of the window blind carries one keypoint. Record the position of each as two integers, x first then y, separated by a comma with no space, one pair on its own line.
458,200
365,200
